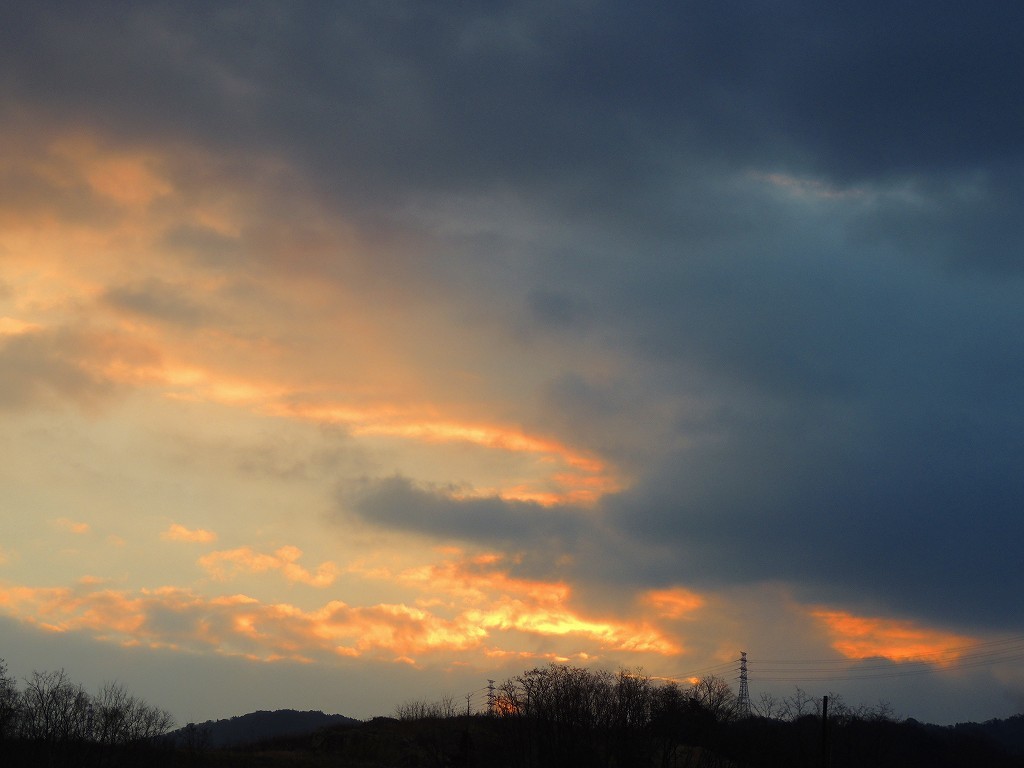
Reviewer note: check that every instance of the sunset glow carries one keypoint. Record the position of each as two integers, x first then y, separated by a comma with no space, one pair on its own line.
374,351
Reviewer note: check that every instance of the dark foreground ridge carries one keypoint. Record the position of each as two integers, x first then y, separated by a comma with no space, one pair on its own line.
694,740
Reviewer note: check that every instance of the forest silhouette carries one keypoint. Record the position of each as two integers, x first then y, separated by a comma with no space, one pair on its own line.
558,716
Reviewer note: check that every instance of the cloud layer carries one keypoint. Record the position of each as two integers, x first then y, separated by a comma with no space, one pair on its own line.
658,306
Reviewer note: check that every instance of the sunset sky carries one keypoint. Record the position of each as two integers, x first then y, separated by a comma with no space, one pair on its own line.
354,353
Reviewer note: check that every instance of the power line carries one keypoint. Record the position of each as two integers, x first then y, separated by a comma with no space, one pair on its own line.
952,659
1011,653
703,672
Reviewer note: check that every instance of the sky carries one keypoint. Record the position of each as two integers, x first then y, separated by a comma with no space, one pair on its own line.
358,353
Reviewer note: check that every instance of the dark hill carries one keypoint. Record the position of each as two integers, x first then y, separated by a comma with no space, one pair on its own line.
257,726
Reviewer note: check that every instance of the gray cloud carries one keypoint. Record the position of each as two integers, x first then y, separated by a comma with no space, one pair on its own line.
400,503
45,367
161,301
206,245
969,222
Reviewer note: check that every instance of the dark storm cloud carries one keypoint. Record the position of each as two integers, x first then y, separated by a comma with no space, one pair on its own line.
914,516
866,437
560,97
896,476
857,349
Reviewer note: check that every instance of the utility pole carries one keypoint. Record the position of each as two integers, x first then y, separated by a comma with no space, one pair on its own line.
826,757
490,697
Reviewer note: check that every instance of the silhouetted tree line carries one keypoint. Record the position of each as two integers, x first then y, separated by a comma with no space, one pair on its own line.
569,716
421,709
53,721
561,716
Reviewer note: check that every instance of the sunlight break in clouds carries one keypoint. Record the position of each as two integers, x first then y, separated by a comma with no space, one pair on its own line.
178,618
491,598
861,637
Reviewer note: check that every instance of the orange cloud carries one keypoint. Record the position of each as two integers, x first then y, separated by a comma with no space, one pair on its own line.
140,357
674,603
182,619
223,564
475,606
72,526
589,478
479,579
861,637
171,617
180,533
12,326
60,609
127,178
